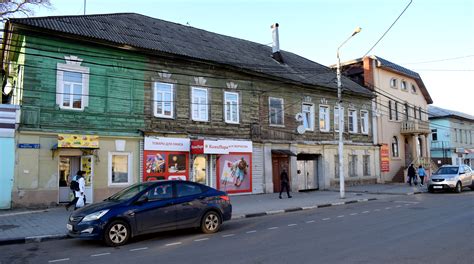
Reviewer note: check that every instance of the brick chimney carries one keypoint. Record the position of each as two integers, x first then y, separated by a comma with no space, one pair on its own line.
276,44
367,64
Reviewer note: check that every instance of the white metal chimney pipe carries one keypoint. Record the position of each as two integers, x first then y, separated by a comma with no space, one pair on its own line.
276,38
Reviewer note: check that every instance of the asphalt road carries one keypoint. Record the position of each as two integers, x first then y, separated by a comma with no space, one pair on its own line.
425,228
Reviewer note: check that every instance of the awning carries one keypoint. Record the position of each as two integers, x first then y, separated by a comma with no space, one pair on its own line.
283,152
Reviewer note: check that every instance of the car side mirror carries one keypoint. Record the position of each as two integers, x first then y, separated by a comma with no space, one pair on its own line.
143,199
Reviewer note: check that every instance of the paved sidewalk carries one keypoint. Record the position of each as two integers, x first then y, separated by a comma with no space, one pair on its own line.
22,226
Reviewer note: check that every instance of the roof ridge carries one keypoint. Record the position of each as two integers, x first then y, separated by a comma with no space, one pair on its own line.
64,16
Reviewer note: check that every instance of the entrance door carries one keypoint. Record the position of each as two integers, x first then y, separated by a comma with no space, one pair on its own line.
200,170
87,165
278,163
68,167
307,175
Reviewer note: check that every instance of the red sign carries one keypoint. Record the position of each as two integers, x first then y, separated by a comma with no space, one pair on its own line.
384,158
197,146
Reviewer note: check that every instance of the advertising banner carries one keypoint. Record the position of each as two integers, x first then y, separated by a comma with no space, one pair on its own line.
167,144
384,158
220,146
165,165
77,141
234,173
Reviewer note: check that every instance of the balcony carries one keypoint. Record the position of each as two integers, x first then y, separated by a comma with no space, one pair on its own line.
415,127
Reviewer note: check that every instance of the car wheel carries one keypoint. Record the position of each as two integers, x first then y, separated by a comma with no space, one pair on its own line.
211,222
117,233
458,187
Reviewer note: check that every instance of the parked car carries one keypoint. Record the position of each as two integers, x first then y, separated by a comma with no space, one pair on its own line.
452,177
150,207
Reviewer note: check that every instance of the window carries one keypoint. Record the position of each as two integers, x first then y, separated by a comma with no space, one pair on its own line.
396,110
406,111
455,135
395,147
231,107
393,83
324,118
364,122
391,113
336,119
403,85
352,165
434,134
336,166
120,168
308,116
352,121
366,165
160,192
414,112
72,86
276,111
413,88
199,104
163,100
419,113
187,189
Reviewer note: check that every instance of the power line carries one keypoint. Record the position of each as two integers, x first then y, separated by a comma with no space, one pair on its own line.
447,59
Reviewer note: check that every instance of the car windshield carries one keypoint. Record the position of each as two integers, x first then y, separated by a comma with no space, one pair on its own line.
447,170
129,192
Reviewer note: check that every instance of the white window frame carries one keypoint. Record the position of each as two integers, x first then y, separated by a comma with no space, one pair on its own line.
61,68
395,149
364,122
227,108
352,113
394,83
324,116
194,106
163,93
413,89
404,85
282,112
130,166
311,116
336,111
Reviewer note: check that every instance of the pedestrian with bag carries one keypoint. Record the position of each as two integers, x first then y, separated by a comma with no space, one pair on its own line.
411,174
80,194
421,174
74,186
285,183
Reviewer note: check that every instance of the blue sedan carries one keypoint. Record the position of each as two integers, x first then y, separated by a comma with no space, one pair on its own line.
150,207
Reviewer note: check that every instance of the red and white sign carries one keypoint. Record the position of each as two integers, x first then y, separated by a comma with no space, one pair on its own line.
167,144
220,146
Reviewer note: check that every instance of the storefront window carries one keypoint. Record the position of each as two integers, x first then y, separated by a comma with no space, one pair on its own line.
119,168
234,173
199,170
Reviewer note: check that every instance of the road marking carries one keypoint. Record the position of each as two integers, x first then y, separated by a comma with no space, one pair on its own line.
365,212
250,232
388,208
339,216
292,224
202,239
173,244
136,249
229,235
354,214
311,221
398,206
405,202
101,254
58,260
377,210
271,228
325,219
408,204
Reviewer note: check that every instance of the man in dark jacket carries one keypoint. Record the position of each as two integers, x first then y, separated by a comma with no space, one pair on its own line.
285,183
411,174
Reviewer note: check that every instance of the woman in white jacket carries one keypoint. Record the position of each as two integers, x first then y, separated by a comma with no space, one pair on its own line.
80,195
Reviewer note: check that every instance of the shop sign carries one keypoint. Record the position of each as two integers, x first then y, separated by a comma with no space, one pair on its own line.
384,158
167,144
77,141
220,146
29,146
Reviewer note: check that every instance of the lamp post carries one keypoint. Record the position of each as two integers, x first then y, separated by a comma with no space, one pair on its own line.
341,117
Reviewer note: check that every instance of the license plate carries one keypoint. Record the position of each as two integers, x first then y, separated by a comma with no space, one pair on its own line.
69,227
438,187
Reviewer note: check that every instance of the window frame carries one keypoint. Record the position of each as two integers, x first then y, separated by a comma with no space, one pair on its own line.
352,113
155,101
282,112
364,121
336,110
226,108
312,115
74,68
397,147
403,85
327,126
193,105
366,165
434,133
413,89
129,167
352,165
394,83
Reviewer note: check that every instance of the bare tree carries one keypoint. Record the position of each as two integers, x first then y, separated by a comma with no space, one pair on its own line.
9,8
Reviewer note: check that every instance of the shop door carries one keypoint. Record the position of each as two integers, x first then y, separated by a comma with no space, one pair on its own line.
278,163
68,167
200,170
87,165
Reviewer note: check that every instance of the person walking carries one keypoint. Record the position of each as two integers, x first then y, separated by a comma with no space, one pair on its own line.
73,185
411,174
421,174
285,183
81,196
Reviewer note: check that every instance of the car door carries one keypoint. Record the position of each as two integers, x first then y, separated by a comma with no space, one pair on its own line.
467,177
157,211
462,175
190,204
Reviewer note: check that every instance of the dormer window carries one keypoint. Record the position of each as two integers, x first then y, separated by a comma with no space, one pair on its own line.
394,83
413,88
403,85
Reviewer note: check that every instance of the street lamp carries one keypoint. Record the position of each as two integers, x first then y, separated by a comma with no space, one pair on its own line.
341,117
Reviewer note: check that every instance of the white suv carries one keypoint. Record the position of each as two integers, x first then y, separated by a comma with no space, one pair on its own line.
452,177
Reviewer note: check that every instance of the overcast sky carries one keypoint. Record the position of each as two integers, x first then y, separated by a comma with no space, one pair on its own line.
433,37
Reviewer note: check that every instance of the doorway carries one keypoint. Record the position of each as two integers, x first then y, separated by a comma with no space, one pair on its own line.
278,163
307,172
68,167
200,170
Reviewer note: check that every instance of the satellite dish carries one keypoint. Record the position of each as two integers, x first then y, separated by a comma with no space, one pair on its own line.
300,129
299,117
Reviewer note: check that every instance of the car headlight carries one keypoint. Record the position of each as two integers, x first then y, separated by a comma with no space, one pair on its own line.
95,216
451,178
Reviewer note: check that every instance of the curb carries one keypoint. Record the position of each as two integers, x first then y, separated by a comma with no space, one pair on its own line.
294,209
31,239
385,193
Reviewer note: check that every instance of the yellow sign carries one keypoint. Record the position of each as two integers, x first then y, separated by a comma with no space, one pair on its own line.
77,141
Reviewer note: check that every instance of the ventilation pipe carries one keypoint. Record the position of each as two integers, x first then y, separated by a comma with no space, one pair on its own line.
276,44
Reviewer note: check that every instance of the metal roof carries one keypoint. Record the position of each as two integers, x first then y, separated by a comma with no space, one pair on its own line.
155,35
435,112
